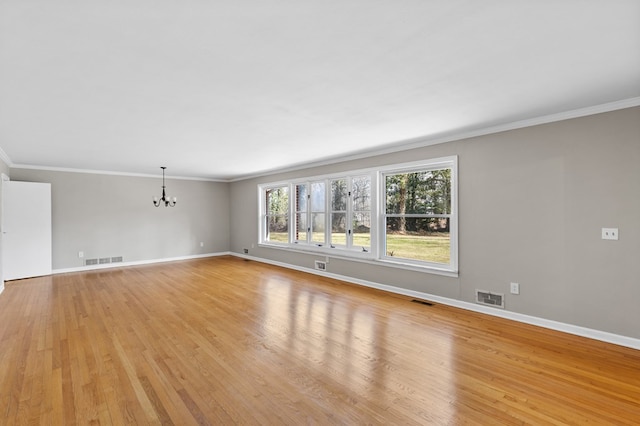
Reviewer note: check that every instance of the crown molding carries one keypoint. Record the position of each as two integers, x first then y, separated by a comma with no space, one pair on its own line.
456,136
105,172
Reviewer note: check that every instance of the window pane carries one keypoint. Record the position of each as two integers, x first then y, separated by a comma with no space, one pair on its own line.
361,191
278,228
339,229
339,195
317,197
429,242
278,200
301,198
362,229
426,192
301,227
317,227
438,187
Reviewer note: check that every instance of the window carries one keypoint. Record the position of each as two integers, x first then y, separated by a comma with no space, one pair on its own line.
339,224
277,214
404,215
417,215
318,208
310,213
350,211
302,228
361,212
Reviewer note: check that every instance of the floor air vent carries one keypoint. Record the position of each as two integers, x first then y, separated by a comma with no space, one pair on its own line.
490,299
422,302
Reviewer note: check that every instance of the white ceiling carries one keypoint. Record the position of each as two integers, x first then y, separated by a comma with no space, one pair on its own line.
224,89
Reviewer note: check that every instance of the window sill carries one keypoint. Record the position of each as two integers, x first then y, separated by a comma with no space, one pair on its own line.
337,253
362,258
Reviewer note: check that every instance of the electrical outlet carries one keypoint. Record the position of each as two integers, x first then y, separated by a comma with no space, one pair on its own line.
609,233
246,251
80,254
201,243
515,288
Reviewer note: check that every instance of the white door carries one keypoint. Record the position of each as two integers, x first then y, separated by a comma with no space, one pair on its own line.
26,229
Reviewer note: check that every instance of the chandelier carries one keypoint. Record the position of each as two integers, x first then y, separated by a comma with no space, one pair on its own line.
168,201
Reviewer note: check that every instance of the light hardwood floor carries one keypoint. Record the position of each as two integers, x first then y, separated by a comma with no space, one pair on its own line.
229,341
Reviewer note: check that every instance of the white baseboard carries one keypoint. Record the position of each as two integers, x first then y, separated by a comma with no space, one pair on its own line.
603,336
137,263
1,287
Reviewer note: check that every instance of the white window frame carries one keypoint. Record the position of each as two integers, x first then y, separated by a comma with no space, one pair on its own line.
264,212
349,212
309,212
293,203
331,212
421,166
376,252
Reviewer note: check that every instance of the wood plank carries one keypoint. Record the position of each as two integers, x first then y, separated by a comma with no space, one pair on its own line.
227,341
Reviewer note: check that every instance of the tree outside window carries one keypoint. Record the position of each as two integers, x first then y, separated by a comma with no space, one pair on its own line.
277,214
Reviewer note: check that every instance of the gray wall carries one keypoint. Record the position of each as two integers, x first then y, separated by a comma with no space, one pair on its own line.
110,215
532,204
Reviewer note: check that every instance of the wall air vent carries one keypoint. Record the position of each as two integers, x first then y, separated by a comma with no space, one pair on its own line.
491,299
103,260
320,265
